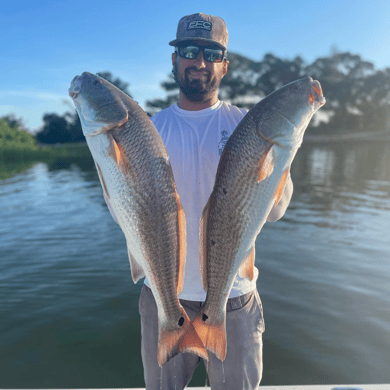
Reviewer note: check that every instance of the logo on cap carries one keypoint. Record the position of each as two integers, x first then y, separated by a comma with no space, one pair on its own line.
200,24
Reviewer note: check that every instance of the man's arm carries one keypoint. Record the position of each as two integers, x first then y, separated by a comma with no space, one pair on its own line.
278,210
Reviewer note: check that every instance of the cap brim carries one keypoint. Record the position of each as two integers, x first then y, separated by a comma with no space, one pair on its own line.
176,41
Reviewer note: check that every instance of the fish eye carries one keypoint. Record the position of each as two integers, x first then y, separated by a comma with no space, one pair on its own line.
95,82
295,88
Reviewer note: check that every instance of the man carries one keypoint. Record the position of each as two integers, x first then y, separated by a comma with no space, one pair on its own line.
194,132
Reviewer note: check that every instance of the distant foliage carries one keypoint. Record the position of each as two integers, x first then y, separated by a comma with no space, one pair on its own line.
357,94
60,129
14,137
123,86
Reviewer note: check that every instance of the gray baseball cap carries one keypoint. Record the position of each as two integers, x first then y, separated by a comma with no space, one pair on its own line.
202,27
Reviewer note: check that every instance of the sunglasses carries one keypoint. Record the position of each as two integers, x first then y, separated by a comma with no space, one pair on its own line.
191,52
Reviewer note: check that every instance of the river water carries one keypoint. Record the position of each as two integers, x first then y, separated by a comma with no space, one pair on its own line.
69,309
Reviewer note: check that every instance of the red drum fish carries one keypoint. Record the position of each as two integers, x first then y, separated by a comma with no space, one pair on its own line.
138,185
251,176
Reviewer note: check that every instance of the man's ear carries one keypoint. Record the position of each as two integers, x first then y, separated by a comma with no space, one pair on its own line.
225,67
173,59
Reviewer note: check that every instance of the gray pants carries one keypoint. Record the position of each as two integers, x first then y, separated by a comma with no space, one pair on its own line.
241,370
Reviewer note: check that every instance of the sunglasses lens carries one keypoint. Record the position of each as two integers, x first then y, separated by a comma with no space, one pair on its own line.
210,55
189,52
213,55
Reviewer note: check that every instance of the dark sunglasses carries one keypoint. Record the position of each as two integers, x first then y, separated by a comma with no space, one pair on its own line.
191,52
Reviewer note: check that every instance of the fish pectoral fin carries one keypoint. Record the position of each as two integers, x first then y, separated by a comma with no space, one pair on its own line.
267,164
203,244
116,153
213,335
246,269
182,239
282,184
171,342
136,270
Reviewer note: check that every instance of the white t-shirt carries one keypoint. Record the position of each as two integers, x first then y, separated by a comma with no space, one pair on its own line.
194,141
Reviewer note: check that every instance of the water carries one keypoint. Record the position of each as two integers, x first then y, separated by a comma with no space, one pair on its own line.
69,309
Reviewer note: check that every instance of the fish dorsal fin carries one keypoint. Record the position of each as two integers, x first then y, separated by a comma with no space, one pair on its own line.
282,184
182,240
136,270
246,269
203,244
116,153
267,163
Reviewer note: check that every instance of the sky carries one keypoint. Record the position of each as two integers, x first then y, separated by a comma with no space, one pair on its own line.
44,44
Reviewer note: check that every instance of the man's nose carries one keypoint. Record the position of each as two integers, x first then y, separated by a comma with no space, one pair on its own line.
199,60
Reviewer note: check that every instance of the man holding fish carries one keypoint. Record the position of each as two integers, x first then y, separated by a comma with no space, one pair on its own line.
193,132
191,198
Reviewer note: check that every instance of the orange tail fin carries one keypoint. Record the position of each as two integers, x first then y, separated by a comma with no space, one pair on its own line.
213,335
184,339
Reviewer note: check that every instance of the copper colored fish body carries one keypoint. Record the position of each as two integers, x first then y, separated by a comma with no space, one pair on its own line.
251,176
138,185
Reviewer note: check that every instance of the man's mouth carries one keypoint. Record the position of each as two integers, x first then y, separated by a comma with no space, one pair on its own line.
194,74
197,75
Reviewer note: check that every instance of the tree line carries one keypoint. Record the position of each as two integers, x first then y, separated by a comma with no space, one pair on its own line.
357,94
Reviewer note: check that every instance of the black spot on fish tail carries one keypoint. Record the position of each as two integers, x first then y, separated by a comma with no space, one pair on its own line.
181,321
213,242
204,317
224,191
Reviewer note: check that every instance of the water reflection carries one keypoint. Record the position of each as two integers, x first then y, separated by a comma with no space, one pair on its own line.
323,268
334,174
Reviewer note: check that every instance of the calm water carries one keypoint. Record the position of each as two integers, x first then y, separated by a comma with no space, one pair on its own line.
69,309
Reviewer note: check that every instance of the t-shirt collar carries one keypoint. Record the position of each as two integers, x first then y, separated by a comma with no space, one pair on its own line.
203,112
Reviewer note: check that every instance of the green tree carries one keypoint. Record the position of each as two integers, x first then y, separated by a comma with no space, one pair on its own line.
123,86
357,94
55,130
13,137
245,82
172,89
14,122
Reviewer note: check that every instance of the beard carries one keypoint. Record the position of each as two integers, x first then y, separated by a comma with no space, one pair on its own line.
198,90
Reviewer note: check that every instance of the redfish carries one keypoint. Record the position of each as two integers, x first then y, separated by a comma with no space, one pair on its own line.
138,185
252,173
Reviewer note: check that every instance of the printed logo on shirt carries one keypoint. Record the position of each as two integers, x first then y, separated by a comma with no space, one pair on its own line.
200,24
222,142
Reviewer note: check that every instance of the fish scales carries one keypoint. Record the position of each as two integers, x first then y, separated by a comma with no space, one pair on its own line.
150,224
230,217
138,185
252,173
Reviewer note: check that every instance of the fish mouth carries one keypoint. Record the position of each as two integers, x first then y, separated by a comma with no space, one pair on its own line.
316,95
75,87
73,94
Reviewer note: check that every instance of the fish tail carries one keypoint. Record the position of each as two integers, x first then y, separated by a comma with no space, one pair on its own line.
173,342
213,335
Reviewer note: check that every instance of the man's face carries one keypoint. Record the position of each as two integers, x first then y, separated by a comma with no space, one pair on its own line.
198,79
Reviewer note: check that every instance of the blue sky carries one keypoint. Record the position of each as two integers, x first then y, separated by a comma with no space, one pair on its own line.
44,44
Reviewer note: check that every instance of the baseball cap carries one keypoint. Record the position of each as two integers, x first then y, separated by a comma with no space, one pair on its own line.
202,27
